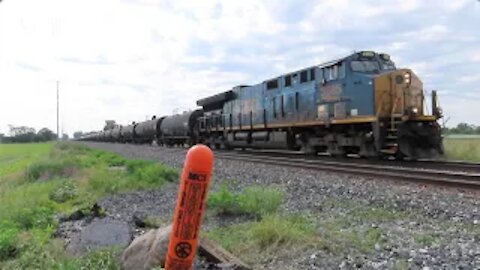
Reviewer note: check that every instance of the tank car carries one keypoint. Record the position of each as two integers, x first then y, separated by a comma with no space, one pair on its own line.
116,134
148,131
180,129
128,133
359,104
108,135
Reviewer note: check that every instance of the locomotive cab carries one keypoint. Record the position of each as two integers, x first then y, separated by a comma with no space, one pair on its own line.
403,126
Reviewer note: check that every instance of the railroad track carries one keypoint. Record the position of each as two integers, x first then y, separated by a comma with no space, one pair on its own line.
452,173
465,175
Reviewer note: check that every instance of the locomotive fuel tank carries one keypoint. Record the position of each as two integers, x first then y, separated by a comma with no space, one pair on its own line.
180,128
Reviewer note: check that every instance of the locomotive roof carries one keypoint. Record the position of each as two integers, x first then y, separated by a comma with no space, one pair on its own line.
325,64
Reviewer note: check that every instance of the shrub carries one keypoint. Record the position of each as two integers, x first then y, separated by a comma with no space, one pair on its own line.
64,192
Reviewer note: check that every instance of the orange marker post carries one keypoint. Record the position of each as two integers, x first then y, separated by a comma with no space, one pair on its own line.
194,184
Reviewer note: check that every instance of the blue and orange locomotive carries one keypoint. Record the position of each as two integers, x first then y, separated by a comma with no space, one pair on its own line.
360,104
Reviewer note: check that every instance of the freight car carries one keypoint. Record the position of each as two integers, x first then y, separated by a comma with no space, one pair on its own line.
359,104
147,132
180,129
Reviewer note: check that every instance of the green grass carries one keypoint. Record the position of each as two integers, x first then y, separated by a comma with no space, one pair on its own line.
256,200
47,180
467,149
426,239
260,239
14,157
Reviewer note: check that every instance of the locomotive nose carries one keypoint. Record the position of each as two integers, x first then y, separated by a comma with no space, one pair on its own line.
398,93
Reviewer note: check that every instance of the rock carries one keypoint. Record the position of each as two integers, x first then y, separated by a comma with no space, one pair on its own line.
100,233
148,250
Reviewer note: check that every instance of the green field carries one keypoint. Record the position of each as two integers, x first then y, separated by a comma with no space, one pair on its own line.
14,157
38,182
462,148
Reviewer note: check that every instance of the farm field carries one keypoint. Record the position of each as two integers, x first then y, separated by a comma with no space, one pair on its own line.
14,157
459,147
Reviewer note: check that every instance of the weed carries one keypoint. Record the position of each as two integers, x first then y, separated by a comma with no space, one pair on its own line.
8,240
257,201
150,172
77,177
427,239
271,234
224,201
275,231
260,200
49,169
67,190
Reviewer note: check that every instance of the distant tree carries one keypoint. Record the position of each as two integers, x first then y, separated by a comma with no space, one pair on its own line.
46,134
462,128
65,137
465,128
77,134
21,130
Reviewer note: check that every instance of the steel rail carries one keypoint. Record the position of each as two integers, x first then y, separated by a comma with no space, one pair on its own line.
450,178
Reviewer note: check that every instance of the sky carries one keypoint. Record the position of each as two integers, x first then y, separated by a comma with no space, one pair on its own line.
130,59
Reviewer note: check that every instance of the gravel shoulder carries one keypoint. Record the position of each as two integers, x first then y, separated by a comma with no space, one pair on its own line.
418,227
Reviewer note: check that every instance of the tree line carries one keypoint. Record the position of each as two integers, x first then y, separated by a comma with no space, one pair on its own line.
24,134
462,128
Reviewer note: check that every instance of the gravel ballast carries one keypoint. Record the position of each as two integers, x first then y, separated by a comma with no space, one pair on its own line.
420,227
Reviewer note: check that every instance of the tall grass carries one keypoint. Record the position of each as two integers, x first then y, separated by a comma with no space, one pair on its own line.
64,179
256,200
467,149
273,234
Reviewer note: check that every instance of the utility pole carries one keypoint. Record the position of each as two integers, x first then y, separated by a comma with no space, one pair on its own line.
58,111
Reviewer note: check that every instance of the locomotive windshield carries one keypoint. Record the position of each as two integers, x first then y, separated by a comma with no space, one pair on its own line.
365,66
388,65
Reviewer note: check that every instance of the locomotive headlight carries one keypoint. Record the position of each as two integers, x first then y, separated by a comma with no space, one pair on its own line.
407,78
414,110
